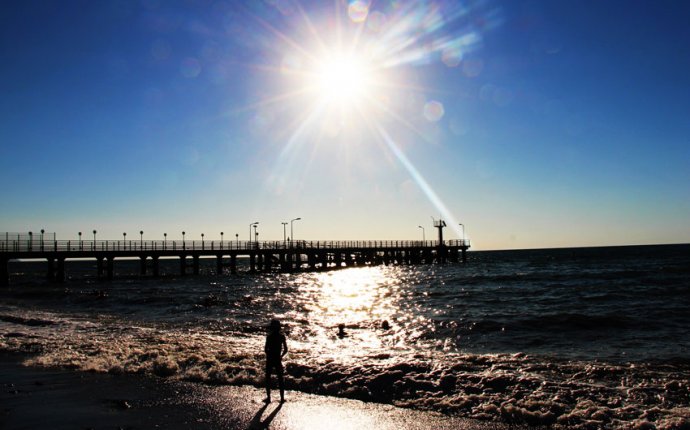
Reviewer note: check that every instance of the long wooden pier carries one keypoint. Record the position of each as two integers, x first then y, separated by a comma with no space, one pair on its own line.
284,256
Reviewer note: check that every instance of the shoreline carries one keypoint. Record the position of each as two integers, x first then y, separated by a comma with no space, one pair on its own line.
35,397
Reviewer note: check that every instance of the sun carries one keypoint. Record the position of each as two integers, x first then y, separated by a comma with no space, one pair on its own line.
343,79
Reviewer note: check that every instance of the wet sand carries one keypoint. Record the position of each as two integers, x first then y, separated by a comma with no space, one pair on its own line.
34,398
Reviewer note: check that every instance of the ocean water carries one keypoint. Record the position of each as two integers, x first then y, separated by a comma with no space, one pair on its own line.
575,338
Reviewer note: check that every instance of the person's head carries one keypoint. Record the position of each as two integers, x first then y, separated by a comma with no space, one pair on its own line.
274,326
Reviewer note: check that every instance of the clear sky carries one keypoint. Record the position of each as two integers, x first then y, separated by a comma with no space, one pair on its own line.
533,123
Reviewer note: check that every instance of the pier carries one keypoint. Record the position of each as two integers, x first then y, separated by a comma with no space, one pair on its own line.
266,256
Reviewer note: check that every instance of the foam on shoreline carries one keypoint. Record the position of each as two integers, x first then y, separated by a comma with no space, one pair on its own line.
508,388
71,399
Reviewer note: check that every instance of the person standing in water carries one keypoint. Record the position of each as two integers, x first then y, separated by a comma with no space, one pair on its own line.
276,348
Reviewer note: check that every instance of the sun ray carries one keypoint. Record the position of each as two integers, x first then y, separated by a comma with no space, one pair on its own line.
270,101
303,126
310,26
284,37
338,28
349,81
357,37
419,179
402,121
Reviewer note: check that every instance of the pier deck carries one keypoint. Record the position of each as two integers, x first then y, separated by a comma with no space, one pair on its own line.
264,256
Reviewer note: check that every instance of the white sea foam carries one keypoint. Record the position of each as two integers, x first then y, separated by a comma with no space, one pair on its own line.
514,388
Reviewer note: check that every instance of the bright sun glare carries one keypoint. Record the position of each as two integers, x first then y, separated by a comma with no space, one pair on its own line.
349,79
343,79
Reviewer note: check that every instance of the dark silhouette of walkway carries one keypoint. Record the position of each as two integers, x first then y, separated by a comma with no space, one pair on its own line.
262,256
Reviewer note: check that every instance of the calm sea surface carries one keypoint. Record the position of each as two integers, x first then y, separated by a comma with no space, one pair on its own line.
526,320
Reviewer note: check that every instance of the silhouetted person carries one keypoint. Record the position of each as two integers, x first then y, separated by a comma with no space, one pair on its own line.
276,348
341,331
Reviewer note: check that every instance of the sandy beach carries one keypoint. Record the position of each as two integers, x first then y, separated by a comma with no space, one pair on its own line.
34,398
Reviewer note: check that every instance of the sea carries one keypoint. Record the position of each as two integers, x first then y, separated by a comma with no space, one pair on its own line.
569,338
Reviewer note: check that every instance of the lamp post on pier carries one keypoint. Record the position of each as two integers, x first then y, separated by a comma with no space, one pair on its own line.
31,240
94,239
141,239
202,241
463,233
183,243
221,240
292,235
42,231
256,235
237,239
165,241
254,224
423,233
81,244
124,240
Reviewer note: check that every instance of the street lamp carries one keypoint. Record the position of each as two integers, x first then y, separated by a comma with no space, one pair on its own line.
202,241
81,244
183,245
292,236
141,239
221,240
31,240
124,240
423,233
250,229
284,224
42,231
94,240
463,233
237,239
165,240
256,235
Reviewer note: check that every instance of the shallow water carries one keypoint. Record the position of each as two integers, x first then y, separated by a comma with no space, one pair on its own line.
571,336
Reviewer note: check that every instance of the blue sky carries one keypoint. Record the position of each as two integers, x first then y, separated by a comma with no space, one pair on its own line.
533,123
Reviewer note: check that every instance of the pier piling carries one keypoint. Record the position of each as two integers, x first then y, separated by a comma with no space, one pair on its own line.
60,274
142,265
156,270
51,269
219,264
4,272
195,264
183,265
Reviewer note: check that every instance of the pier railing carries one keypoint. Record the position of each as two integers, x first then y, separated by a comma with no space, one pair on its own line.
42,246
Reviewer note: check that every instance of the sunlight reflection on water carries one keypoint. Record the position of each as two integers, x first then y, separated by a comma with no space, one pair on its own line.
370,302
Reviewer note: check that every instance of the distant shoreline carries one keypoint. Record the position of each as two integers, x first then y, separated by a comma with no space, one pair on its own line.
557,248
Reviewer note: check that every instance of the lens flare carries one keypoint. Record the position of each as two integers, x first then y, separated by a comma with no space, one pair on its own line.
190,67
433,111
376,21
358,11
